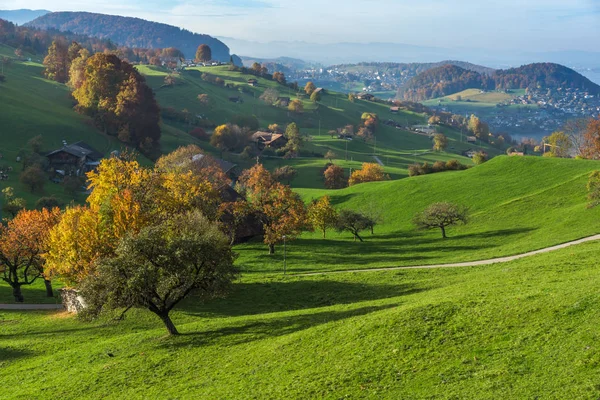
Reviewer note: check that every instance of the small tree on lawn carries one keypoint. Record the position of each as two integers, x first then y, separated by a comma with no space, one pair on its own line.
161,266
281,211
440,142
11,204
322,215
334,177
441,215
34,178
286,173
330,155
353,222
23,242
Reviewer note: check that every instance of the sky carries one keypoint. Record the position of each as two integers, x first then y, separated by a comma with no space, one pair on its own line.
533,25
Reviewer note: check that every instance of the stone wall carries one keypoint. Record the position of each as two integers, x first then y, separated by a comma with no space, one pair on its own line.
72,301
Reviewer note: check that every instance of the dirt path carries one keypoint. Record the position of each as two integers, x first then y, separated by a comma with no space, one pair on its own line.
468,263
31,307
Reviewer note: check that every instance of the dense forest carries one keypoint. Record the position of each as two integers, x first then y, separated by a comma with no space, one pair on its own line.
36,42
450,79
132,32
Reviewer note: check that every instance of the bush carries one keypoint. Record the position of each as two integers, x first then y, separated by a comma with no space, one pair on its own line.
48,202
200,134
415,170
438,166
479,158
72,184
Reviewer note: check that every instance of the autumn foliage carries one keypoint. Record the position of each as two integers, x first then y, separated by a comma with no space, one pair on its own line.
23,243
369,172
282,212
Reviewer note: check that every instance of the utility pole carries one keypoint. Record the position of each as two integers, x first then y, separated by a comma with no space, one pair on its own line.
319,127
346,149
284,256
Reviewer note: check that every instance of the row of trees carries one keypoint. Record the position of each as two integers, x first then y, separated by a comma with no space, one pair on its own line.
335,178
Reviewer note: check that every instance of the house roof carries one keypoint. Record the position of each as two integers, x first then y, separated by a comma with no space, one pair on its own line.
225,166
79,149
266,137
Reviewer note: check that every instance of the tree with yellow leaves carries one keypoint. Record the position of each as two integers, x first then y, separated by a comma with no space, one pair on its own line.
370,172
322,215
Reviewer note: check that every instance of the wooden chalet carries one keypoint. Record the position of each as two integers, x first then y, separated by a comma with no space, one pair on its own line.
252,82
268,139
74,159
365,96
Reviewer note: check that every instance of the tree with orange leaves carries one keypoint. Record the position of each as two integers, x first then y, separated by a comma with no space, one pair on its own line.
23,242
370,172
591,140
282,212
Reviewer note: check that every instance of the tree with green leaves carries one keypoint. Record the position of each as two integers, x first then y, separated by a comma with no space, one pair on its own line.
441,216
11,204
593,187
479,158
34,178
315,97
560,144
203,53
162,265
294,141
353,222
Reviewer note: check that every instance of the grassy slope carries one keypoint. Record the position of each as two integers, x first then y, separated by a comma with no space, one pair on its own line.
517,205
394,147
526,329
34,106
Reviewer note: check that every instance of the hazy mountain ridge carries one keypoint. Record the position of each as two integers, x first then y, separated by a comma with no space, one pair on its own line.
22,16
132,32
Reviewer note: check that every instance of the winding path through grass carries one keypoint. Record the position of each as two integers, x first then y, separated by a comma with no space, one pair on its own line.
465,264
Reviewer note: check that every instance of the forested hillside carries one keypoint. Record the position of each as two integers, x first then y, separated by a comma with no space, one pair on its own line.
132,32
449,79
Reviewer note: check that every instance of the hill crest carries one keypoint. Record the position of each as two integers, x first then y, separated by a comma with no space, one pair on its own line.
131,32
449,79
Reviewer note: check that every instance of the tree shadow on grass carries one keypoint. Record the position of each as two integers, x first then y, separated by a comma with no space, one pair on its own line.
8,354
420,237
258,330
269,297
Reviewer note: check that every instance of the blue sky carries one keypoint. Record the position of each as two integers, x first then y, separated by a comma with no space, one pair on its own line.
544,25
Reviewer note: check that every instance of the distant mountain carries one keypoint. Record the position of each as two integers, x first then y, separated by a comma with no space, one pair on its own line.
132,32
441,81
23,16
450,79
409,68
281,64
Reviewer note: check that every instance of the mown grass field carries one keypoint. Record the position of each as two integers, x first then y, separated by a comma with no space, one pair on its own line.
516,205
525,329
